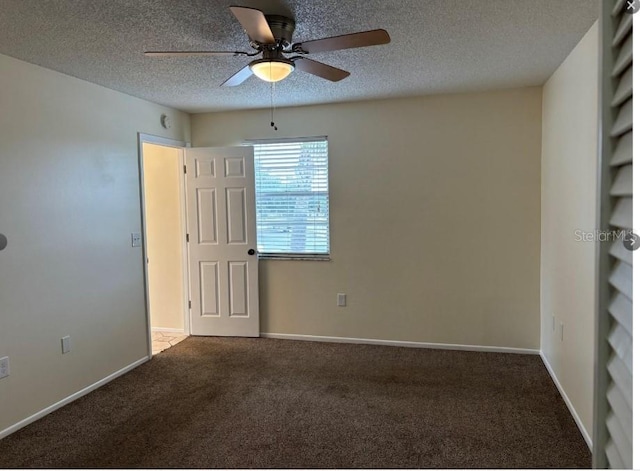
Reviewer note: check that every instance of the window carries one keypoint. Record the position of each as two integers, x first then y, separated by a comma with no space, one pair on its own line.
292,197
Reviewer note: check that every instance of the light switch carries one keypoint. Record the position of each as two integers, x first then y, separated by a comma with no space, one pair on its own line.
342,299
4,367
136,239
66,344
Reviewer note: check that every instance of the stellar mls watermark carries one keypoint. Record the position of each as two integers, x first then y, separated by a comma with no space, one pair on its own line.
598,236
629,239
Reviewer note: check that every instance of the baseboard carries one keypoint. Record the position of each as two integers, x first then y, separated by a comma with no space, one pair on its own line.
400,343
567,401
168,330
71,398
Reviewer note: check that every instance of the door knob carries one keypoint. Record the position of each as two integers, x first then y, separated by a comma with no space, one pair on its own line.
251,252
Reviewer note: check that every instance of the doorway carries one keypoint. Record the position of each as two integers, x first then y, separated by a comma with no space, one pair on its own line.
212,279
164,222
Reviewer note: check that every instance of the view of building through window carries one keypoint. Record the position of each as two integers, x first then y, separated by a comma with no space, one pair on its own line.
292,196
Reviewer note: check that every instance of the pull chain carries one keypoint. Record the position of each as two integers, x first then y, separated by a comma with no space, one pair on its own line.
273,88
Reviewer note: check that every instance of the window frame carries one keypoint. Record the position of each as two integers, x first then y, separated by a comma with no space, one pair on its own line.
295,256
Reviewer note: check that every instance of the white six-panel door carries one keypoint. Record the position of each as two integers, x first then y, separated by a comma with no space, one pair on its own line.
223,263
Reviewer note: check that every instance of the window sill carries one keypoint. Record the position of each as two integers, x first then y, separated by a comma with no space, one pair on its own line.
306,258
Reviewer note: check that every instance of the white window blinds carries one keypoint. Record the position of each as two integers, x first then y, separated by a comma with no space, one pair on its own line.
292,197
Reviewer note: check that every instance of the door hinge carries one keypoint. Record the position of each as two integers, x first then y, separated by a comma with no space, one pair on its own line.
185,169
189,304
187,237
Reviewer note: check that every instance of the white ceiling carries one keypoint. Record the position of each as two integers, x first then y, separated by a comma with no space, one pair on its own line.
437,46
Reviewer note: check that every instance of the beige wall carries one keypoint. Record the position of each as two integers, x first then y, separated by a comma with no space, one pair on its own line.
69,200
435,219
567,277
164,232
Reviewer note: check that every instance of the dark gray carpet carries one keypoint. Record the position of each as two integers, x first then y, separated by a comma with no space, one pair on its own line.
212,402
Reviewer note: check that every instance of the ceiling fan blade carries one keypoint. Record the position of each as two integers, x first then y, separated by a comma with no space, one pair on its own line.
193,53
321,70
346,41
237,78
255,24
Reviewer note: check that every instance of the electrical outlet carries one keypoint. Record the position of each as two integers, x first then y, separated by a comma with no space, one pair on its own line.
66,344
561,331
342,299
4,367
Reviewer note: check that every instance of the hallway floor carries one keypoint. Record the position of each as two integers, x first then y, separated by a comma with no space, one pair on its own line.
163,340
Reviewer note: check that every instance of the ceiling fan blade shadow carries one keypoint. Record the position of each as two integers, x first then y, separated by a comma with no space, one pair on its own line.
321,70
254,23
193,53
238,78
346,41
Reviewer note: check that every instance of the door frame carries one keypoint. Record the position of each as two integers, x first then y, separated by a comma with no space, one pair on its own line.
165,142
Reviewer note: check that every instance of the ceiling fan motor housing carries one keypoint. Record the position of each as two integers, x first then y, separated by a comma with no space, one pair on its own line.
282,29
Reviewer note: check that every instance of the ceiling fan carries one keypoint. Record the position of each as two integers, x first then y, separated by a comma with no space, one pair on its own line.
271,37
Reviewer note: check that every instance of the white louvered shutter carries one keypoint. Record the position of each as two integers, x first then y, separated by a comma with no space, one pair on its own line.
292,197
613,440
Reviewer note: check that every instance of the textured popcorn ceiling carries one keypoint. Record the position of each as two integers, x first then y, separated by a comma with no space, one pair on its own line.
437,46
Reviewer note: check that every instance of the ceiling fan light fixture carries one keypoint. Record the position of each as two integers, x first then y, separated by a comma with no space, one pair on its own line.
272,70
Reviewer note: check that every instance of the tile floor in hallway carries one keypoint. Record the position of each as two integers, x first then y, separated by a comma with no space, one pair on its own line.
163,340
